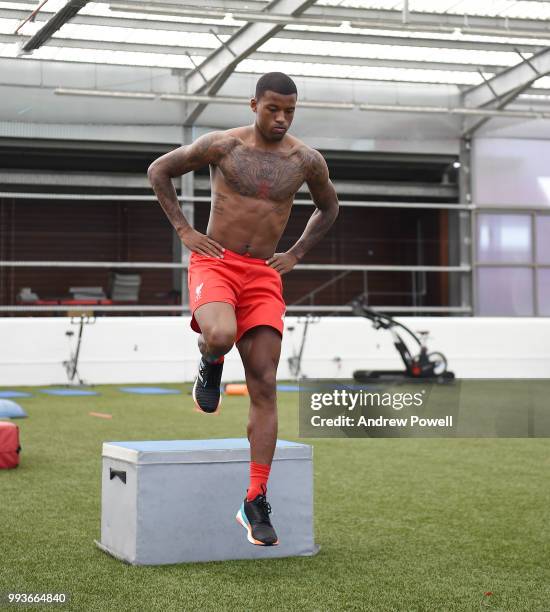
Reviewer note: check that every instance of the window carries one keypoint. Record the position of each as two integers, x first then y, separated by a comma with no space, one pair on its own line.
513,264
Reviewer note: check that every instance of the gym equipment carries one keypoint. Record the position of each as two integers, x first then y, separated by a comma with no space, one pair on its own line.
71,364
9,445
423,365
175,501
149,390
295,360
11,410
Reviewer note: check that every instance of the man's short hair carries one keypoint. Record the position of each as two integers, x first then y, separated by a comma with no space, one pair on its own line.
275,81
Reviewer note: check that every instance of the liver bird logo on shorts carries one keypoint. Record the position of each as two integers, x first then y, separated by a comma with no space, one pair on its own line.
198,291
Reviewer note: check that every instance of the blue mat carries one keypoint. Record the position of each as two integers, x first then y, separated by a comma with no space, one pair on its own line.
6,393
68,392
288,388
11,410
149,390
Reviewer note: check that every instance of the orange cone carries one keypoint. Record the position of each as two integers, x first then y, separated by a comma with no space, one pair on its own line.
236,389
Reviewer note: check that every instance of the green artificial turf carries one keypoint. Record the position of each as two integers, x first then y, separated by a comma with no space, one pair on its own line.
417,524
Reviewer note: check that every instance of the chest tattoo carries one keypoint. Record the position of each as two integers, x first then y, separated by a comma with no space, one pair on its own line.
261,174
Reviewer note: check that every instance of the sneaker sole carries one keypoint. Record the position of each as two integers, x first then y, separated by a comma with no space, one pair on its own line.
241,520
198,408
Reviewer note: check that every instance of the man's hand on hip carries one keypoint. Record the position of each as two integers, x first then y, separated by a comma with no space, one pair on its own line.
199,243
282,262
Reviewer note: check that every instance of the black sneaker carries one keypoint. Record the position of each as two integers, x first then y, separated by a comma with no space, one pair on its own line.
206,390
254,517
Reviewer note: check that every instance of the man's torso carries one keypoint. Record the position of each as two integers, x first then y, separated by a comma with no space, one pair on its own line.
253,191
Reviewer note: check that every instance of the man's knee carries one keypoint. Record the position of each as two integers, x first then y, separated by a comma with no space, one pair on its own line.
219,339
263,384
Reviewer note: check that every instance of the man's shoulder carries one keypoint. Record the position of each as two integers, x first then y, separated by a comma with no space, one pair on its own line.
311,154
300,147
225,139
215,145
313,161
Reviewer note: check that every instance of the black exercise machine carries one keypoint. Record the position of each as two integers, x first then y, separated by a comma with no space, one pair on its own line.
423,365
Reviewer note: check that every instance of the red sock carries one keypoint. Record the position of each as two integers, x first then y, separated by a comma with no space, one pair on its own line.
258,480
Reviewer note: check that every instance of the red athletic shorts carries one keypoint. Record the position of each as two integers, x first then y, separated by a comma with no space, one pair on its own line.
253,288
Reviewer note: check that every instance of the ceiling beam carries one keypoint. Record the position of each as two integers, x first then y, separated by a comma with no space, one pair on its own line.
373,37
53,24
214,71
470,125
363,18
311,104
502,89
517,77
174,71
164,50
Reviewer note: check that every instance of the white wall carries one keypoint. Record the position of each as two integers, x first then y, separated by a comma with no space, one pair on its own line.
163,349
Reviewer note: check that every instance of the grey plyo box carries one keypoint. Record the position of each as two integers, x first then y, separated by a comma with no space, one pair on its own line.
175,501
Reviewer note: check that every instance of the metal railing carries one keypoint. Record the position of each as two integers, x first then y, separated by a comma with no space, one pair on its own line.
28,195
157,265
183,310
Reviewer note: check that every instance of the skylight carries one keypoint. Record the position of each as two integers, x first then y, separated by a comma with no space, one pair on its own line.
76,42
379,51
522,9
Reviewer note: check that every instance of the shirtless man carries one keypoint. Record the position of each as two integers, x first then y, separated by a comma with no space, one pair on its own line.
235,286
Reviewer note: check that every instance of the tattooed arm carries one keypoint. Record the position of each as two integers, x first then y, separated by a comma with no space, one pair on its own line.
207,149
326,202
